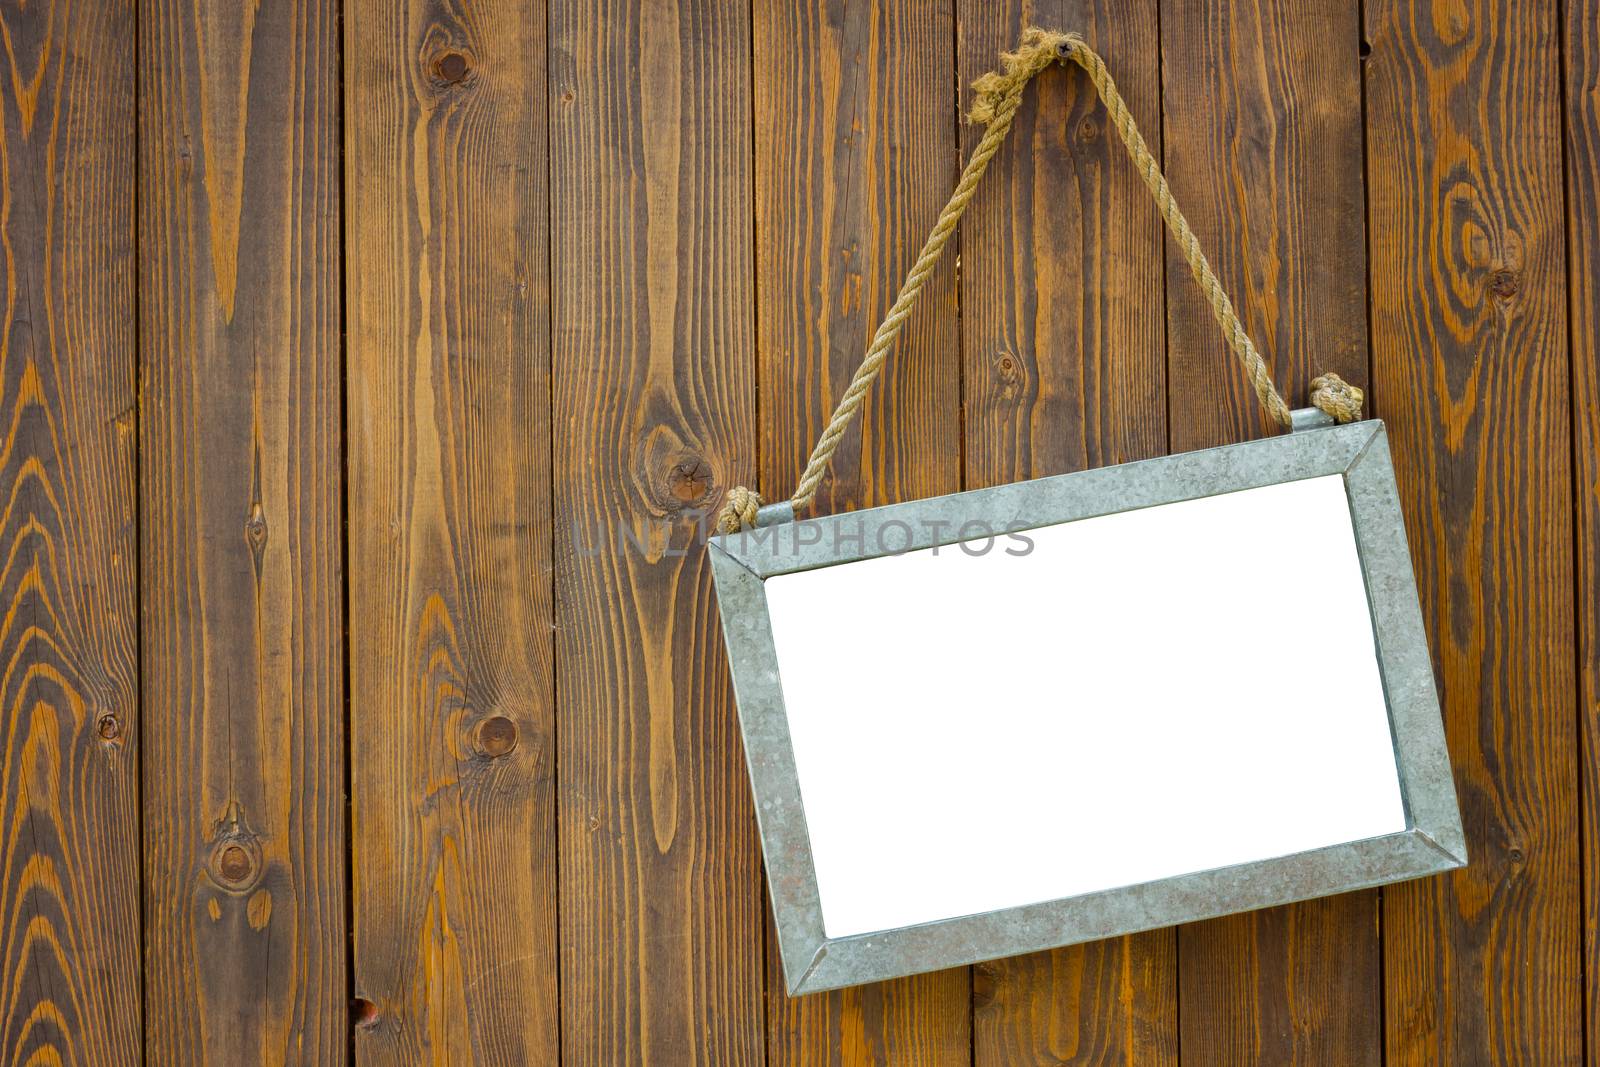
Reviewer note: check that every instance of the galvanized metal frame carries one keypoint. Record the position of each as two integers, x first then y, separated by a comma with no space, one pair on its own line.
1433,841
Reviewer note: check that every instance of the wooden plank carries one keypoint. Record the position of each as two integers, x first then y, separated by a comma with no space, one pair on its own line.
654,390
1263,151
240,497
69,856
1062,336
1471,374
855,155
451,655
1582,67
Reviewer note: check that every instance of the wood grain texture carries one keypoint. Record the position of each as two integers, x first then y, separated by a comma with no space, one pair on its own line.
917,1020
240,466
1062,337
1262,126
855,155
1470,372
654,391
1290,985
451,654
736,191
1581,22
1263,150
69,853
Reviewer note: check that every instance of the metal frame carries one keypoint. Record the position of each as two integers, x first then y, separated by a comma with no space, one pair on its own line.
1433,841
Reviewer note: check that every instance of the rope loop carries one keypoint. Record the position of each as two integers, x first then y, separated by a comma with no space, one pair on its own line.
999,95
1035,51
739,510
1332,394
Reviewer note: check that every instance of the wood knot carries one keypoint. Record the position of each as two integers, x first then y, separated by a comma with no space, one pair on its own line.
689,480
1009,375
255,529
234,864
497,736
451,67
109,728
1088,131
1504,284
364,1013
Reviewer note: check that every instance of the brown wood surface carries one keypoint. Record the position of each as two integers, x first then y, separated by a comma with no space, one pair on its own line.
1582,113
451,684
69,853
654,415
1263,129
240,489
242,560
1062,339
451,321
854,158
1471,373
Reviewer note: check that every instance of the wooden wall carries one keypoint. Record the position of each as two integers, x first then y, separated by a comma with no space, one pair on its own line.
370,366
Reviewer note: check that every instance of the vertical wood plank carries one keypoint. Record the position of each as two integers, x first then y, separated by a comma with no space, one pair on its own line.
652,305
1581,20
855,155
452,684
1263,151
1062,333
69,856
1470,371
242,568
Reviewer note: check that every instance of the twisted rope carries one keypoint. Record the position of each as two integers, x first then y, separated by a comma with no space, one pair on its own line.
1337,397
999,97
739,510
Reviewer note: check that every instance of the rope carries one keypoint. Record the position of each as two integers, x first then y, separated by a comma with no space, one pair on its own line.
1337,397
999,97
739,510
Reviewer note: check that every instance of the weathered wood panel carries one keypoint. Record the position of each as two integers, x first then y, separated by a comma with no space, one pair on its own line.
1470,371
736,195
451,674
240,472
1582,66
69,801
1062,338
1263,136
654,396
855,155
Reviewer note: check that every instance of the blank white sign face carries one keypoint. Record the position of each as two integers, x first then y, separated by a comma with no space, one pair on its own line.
1135,698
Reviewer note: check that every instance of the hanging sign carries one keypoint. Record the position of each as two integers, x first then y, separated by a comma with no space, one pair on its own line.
1067,709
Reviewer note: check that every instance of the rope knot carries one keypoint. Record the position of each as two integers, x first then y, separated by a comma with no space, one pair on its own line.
739,510
1036,51
1337,397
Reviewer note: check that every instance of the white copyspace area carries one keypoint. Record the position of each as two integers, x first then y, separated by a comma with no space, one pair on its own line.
1142,695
